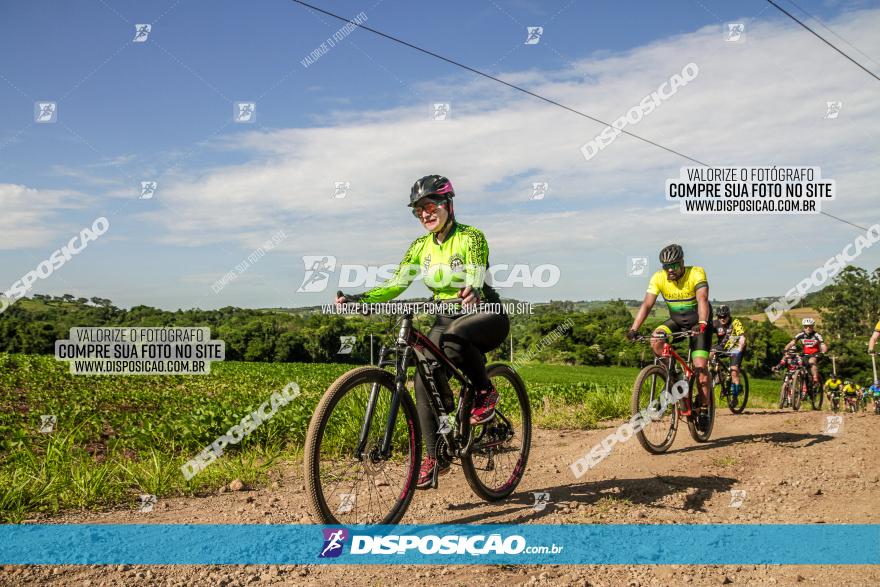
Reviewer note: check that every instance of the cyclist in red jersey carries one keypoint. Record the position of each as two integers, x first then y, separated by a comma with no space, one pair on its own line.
812,343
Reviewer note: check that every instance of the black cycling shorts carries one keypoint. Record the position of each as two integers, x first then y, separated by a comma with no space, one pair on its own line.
699,345
736,359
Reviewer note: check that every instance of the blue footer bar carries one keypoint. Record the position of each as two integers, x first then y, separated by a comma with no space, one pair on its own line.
788,544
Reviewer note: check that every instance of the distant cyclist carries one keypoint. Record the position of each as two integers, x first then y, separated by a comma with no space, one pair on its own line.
850,392
833,386
454,257
732,339
685,289
812,343
873,393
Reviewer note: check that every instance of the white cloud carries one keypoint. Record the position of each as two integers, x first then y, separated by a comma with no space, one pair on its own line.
29,215
761,102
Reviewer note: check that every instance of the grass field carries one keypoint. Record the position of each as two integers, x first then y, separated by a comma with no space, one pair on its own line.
118,437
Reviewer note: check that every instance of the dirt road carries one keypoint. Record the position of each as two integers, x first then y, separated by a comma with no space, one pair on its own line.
790,470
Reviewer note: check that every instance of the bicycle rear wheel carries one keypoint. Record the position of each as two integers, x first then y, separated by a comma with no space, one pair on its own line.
700,430
497,460
371,489
658,433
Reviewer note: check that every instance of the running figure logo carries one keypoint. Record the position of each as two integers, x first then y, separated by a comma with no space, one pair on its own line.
346,502
141,32
340,189
45,112
737,497
441,111
833,424
318,270
147,503
47,423
245,112
148,190
533,36
539,190
542,498
832,109
637,266
735,32
334,539
346,344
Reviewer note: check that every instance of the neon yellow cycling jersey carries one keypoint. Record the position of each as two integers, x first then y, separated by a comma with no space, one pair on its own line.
461,259
877,328
681,295
833,384
851,389
731,335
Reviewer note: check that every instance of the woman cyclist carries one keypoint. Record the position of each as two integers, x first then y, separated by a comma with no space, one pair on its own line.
454,258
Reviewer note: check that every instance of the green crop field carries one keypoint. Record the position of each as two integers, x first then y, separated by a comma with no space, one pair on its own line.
116,437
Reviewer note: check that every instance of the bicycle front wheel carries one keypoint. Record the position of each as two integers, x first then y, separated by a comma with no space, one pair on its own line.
368,488
497,460
700,422
660,422
737,405
817,398
797,388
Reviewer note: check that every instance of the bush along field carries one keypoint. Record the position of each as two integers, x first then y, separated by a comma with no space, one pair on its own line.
89,442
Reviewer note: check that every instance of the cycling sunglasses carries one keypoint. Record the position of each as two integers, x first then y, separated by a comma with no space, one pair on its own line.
672,266
430,208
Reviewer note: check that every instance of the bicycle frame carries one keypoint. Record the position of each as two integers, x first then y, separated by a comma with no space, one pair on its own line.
666,357
718,370
410,341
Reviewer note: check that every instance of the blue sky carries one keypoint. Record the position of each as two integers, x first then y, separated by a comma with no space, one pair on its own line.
162,110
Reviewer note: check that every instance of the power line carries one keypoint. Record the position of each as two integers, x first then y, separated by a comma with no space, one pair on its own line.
824,40
827,28
525,91
501,81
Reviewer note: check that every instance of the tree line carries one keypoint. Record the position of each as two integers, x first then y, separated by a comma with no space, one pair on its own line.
849,308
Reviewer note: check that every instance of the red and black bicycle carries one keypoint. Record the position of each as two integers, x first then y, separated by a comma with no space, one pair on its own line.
669,390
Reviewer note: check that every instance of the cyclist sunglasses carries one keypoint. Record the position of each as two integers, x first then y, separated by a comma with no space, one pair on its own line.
673,266
430,208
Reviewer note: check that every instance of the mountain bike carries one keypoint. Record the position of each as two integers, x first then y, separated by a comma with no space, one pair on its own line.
852,402
797,383
834,396
364,443
813,390
719,370
652,397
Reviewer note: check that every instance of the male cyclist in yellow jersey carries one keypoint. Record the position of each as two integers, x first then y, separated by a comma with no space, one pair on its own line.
833,386
686,292
851,392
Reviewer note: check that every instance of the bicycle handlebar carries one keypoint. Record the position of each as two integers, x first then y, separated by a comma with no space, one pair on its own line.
663,336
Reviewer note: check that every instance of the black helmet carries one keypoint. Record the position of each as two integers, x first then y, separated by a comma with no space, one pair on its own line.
431,185
724,311
671,254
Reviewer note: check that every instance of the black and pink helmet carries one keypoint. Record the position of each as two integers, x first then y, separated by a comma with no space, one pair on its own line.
431,185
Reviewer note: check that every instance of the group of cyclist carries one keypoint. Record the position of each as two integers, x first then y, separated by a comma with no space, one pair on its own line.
452,249
851,393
